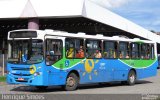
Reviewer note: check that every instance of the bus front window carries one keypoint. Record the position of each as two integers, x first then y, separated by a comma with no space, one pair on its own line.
53,51
25,51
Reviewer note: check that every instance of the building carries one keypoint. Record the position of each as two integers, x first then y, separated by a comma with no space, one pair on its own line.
66,15
158,33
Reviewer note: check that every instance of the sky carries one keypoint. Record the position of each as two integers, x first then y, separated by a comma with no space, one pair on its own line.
145,13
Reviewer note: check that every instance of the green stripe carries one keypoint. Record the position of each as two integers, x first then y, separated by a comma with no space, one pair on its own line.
62,61
139,63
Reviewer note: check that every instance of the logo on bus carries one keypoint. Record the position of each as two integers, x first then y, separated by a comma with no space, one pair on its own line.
67,63
89,65
32,69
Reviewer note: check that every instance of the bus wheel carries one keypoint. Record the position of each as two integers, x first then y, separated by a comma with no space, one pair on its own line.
71,82
41,87
131,77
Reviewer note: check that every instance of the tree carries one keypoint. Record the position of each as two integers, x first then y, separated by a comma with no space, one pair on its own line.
152,31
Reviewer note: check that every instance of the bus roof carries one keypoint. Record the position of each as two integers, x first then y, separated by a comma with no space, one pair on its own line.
97,36
49,32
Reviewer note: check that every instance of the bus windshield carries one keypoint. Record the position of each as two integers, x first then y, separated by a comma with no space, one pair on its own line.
25,51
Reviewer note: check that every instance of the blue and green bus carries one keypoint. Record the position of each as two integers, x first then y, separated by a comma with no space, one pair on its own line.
45,58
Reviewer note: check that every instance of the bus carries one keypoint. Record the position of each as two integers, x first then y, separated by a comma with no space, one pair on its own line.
43,58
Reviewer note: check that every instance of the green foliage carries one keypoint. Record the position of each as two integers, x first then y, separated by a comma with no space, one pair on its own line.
2,78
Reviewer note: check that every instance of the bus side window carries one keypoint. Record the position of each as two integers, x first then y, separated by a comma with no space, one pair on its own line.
74,48
70,51
148,56
135,50
110,49
93,48
79,48
54,50
124,50
152,51
145,49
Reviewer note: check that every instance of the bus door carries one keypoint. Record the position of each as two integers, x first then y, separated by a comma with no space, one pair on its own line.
53,55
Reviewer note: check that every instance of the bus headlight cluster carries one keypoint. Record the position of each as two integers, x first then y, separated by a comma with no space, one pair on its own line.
8,72
37,73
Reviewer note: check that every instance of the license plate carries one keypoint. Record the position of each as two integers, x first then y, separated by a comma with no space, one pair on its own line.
21,79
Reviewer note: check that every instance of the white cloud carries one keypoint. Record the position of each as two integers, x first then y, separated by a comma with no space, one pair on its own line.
143,12
111,3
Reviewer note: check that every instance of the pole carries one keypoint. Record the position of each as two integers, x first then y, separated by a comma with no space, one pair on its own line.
33,23
3,57
3,65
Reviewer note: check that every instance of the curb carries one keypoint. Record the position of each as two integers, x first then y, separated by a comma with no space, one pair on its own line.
3,83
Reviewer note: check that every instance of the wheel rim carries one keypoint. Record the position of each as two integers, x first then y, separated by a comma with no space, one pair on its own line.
71,82
132,78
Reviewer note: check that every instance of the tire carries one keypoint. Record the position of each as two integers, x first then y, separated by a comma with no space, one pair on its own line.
72,82
131,77
41,87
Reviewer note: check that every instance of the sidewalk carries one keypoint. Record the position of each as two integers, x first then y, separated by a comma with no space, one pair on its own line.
3,83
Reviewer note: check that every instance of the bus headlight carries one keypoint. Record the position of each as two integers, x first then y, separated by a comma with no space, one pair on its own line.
37,73
8,72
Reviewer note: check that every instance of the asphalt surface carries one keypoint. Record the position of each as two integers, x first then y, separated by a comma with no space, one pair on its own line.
145,86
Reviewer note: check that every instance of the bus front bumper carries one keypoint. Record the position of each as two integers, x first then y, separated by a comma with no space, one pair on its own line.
26,80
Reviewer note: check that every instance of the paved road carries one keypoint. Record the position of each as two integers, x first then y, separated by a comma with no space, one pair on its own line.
146,86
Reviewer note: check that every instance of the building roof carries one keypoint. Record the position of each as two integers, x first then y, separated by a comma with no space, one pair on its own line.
71,8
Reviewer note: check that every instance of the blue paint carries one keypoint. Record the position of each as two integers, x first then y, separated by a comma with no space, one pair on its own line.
103,71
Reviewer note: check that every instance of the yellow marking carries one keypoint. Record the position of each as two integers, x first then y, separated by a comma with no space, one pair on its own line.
32,69
97,61
89,67
84,73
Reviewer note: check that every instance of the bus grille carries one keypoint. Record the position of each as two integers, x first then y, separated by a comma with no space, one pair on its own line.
23,69
22,74
25,80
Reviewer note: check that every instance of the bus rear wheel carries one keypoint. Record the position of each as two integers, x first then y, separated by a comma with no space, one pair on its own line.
71,82
131,77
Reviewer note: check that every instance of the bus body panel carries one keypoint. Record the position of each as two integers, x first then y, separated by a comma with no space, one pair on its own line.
102,70
19,73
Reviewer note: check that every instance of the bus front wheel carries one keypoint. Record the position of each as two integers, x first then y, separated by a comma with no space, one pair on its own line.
131,77
71,82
